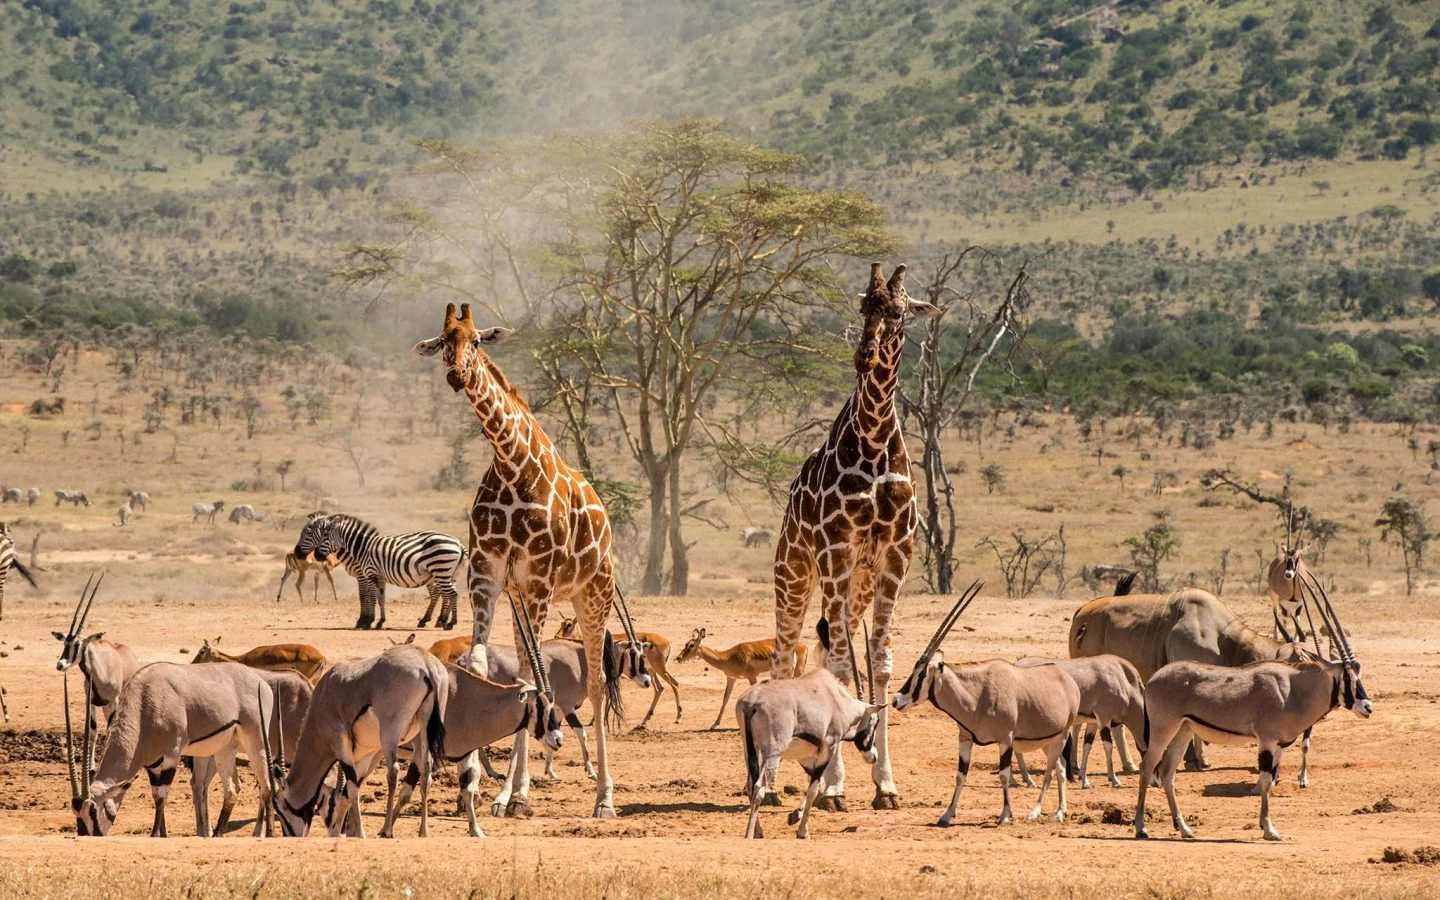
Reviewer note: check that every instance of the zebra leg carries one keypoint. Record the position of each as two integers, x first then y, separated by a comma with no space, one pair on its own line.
380,600
434,592
450,608
367,604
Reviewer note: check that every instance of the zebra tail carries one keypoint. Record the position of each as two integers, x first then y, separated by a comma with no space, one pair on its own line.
20,567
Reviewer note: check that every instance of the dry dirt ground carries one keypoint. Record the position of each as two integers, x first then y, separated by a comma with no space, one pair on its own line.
171,583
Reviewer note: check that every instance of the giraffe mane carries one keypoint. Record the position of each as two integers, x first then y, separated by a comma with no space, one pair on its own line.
504,382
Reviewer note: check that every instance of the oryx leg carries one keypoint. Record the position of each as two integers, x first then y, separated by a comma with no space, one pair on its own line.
1304,778
1170,766
763,786
724,702
347,802
1126,766
1164,736
1107,737
1007,755
583,738
484,761
811,791
962,774
162,776
1091,730
469,773
1269,774
1024,771
202,771
1054,768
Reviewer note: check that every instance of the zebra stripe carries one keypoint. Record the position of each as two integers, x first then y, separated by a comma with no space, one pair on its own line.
425,559
9,561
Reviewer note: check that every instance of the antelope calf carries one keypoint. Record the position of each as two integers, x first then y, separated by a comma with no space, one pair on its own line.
997,702
1268,703
748,660
298,566
805,719
1286,573
657,655
303,659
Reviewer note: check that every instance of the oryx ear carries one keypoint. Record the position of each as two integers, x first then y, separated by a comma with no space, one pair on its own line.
96,636
494,335
875,709
429,347
937,659
526,690
57,635
925,310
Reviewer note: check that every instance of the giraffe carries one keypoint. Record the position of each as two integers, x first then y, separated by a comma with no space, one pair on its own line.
850,522
537,529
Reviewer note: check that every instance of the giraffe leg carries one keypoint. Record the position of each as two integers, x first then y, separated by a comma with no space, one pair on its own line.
891,566
835,566
794,583
487,579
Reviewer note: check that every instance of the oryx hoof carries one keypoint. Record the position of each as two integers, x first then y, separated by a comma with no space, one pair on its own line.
1129,770
1195,765
831,803
772,799
604,812
1141,834
945,822
1273,835
884,800
794,817
1255,791
476,832
1060,815
1034,814
518,809
497,810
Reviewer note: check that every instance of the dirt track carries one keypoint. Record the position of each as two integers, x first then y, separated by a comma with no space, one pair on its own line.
681,812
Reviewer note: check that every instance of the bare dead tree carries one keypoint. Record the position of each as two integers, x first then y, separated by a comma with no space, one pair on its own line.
1023,562
945,387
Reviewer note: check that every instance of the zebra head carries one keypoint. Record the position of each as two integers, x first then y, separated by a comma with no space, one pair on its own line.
314,538
460,342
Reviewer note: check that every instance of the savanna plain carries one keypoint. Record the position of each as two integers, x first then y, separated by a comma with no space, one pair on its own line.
172,582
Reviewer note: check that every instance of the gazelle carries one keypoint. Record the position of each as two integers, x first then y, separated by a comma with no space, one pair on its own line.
449,650
806,719
303,659
299,565
1270,703
997,702
361,708
105,665
1283,579
167,711
1111,695
657,654
748,660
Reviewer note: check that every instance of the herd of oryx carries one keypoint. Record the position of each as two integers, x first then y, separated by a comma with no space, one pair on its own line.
1170,669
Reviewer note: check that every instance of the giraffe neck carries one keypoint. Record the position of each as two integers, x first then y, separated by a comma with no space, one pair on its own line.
874,400
509,427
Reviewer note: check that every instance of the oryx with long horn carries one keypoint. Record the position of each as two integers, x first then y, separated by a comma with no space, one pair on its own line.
805,719
1283,579
1269,703
997,702
105,665
479,712
167,711
362,708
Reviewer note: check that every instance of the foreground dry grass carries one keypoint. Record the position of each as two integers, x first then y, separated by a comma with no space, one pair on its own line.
172,583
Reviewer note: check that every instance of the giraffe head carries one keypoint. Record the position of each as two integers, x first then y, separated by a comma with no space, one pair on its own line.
885,304
461,344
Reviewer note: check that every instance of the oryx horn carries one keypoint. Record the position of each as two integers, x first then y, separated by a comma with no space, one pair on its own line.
854,666
70,743
532,649
625,620
966,598
269,753
869,670
1335,627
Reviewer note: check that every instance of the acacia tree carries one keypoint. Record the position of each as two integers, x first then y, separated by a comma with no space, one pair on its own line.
1402,519
945,382
694,277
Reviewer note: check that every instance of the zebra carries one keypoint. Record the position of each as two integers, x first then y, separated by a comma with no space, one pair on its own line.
74,498
31,496
124,513
139,500
8,561
247,512
206,511
12,495
418,559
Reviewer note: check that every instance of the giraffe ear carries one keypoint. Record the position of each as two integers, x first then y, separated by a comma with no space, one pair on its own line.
429,347
494,335
925,310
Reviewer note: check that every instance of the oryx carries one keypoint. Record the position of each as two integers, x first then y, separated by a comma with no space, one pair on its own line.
105,665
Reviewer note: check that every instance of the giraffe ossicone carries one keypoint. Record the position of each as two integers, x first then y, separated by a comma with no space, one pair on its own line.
538,529
849,526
